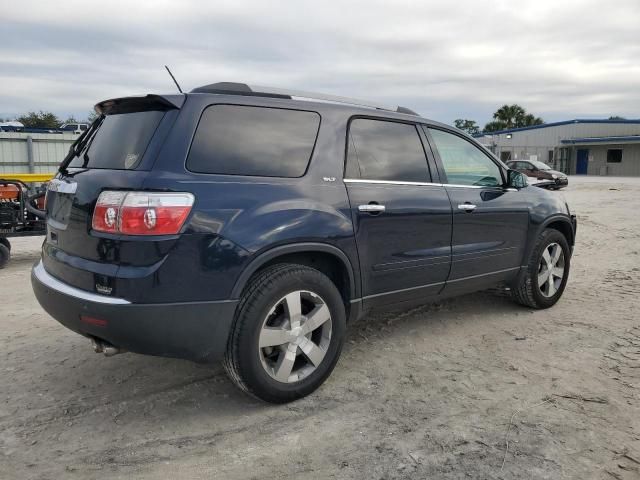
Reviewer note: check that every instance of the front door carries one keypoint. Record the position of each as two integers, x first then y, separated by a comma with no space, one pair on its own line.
582,163
402,220
490,222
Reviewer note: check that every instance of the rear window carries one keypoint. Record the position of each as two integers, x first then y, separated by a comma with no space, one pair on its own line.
120,141
256,141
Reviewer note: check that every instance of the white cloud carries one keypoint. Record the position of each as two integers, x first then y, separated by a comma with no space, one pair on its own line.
446,60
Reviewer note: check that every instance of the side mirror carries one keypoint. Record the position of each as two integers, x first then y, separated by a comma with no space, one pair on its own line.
516,179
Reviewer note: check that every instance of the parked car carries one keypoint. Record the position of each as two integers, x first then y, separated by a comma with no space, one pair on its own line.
74,127
540,171
11,126
251,225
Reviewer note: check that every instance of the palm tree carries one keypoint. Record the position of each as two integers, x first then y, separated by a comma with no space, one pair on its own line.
529,120
510,115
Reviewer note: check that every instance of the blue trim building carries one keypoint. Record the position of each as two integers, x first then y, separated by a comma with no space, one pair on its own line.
580,146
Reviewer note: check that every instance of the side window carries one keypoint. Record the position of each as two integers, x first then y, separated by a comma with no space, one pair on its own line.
255,141
463,162
382,150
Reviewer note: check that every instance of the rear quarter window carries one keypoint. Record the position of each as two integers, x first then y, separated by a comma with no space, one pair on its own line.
253,141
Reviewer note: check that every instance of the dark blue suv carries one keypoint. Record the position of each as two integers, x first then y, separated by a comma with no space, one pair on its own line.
251,225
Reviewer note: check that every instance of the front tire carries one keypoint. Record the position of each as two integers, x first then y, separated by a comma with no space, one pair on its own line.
546,273
288,333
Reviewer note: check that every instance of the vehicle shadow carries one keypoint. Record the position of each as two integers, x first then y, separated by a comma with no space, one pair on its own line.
133,378
59,387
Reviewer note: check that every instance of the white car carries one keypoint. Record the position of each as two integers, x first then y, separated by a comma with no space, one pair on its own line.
10,126
74,127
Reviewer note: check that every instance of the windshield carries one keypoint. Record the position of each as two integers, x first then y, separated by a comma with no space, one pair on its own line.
119,141
540,165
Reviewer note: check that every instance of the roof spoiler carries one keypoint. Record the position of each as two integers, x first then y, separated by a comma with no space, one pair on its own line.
233,88
139,104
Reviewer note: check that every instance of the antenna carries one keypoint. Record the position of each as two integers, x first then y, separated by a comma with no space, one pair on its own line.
174,79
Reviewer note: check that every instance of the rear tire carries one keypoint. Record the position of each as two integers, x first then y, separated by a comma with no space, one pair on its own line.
5,241
5,255
546,273
288,333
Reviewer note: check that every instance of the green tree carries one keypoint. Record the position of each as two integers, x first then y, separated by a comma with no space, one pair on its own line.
494,126
511,116
71,119
39,120
469,126
530,120
616,117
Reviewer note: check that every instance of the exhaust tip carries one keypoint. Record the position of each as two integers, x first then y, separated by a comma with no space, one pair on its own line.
100,346
97,346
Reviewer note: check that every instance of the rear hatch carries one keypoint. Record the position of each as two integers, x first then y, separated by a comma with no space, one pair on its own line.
116,153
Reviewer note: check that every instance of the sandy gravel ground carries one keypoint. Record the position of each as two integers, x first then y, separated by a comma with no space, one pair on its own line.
434,392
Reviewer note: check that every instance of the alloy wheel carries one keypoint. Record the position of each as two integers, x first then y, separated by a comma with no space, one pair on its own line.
551,270
295,336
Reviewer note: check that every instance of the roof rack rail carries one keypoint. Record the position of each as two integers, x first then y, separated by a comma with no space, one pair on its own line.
233,88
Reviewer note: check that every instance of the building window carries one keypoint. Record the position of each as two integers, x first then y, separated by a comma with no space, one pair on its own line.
614,155
505,156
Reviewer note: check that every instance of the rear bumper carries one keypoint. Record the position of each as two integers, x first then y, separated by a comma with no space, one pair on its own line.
194,330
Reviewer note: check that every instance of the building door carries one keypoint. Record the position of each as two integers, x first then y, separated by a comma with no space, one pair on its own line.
582,164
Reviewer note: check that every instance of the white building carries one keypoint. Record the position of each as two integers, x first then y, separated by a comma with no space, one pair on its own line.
591,147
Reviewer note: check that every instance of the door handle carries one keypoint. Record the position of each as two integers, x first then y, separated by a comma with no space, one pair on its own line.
371,208
467,207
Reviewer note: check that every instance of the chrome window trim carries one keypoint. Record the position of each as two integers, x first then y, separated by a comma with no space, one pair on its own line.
457,185
426,184
391,182
54,284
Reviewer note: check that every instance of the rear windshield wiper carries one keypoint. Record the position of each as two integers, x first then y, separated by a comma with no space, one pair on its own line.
79,145
85,158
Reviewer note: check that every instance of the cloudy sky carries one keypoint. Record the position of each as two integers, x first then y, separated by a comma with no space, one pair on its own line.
560,59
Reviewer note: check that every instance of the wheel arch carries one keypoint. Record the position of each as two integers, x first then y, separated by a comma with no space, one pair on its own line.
329,259
562,224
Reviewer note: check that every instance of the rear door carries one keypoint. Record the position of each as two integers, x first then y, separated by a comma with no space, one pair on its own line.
402,216
490,222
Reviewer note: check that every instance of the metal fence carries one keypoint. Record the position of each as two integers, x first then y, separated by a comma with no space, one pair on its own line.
33,152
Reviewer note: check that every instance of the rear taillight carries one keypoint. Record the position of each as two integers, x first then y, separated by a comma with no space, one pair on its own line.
141,213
